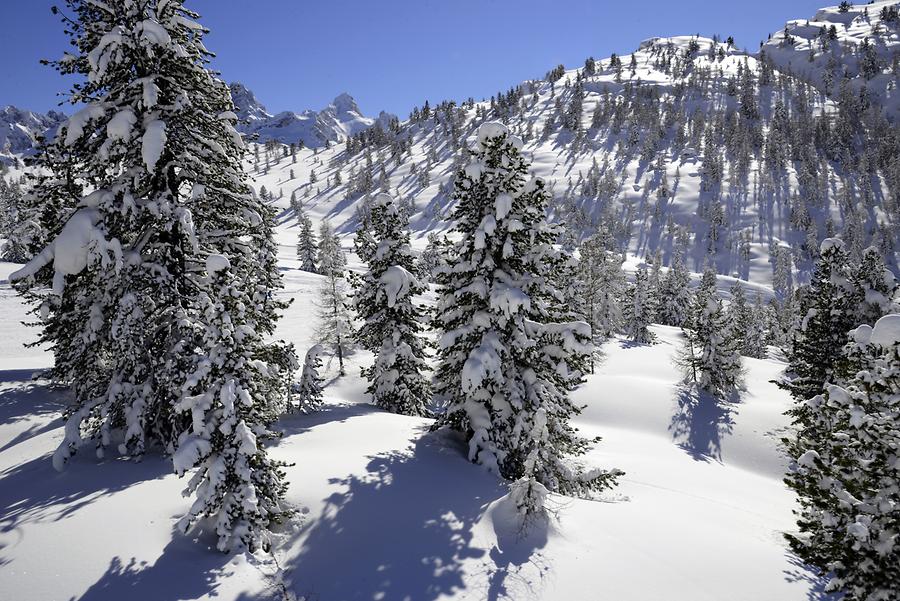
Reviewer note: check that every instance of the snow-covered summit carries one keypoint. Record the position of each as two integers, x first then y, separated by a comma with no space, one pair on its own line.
249,108
19,128
341,118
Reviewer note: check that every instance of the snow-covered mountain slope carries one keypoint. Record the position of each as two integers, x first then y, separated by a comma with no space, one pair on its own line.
19,130
337,121
387,510
687,142
861,43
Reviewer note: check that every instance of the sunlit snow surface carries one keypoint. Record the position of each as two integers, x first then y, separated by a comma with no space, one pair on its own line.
387,510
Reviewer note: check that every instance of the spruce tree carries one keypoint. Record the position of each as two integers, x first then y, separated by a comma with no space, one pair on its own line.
675,296
309,391
874,288
160,305
739,315
602,286
710,355
845,458
756,337
826,312
14,229
504,369
335,322
307,246
638,310
391,321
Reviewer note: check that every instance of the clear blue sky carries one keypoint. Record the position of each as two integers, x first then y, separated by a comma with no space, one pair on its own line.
393,54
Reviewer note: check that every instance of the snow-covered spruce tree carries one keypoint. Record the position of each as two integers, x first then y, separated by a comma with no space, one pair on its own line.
13,228
756,338
675,296
504,369
874,288
602,285
161,279
335,327
845,455
739,315
826,316
638,309
307,246
391,321
710,355
309,391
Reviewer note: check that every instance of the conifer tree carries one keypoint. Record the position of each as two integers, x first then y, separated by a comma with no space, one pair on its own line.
309,391
638,310
391,321
755,340
335,322
710,355
874,288
675,296
602,286
504,369
844,468
739,315
826,317
14,229
307,246
161,279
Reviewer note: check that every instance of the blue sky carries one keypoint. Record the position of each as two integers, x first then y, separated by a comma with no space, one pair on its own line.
393,54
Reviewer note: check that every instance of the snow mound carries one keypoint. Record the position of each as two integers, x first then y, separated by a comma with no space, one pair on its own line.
886,331
216,263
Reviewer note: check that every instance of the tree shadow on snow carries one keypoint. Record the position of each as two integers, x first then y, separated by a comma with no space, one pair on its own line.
700,423
186,569
21,396
34,492
815,583
406,529
297,423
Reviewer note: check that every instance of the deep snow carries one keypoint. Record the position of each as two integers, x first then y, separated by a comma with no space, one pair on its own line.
387,510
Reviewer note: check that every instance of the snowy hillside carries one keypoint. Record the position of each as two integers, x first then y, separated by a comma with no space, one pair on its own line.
337,121
862,42
685,143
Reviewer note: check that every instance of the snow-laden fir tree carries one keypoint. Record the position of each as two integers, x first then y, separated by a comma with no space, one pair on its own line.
504,369
13,228
639,309
675,294
710,356
602,285
874,288
309,390
827,314
432,257
307,245
739,315
161,279
335,326
846,451
757,333
391,321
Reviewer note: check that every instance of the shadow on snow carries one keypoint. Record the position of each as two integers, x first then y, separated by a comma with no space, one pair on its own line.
406,529
700,423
